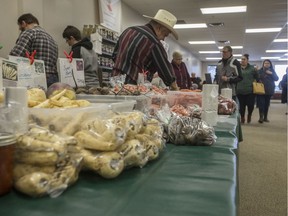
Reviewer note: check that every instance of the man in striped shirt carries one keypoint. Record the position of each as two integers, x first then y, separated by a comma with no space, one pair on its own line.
139,49
33,37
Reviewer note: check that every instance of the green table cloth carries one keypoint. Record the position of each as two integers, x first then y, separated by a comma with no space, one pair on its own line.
185,180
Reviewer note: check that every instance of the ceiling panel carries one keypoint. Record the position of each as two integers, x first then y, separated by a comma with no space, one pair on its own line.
260,14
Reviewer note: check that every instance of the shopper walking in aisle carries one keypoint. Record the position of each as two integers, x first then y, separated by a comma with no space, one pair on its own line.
33,37
284,87
228,71
245,88
180,70
267,76
83,48
139,49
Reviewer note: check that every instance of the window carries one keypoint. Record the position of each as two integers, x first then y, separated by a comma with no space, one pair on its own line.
280,71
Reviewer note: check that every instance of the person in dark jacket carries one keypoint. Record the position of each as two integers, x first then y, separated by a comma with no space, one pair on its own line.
180,70
267,76
284,88
245,88
228,71
83,48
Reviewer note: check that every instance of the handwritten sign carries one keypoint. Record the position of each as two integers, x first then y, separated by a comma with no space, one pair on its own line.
17,71
71,73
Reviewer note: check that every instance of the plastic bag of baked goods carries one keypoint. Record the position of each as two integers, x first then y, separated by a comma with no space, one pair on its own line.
107,164
184,130
134,153
45,163
101,135
226,106
41,183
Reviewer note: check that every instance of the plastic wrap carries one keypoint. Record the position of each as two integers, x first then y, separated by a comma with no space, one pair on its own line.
226,106
134,153
190,131
107,164
102,135
66,121
44,164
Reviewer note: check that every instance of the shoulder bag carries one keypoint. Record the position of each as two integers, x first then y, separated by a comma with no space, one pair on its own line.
258,88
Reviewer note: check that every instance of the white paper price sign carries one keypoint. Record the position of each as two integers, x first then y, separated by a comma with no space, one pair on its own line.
17,71
71,73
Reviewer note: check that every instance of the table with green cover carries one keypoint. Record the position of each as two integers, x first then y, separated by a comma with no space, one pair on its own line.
184,180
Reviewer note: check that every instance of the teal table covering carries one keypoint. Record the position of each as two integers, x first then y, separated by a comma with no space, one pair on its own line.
185,180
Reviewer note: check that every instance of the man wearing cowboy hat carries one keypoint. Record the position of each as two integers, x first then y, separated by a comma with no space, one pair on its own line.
139,49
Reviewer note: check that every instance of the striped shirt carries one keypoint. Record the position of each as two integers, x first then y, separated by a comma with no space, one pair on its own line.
137,49
45,46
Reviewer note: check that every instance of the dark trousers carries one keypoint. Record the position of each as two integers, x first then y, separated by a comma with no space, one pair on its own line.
263,102
246,100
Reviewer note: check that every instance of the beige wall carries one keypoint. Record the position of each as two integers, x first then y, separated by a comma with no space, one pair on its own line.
55,15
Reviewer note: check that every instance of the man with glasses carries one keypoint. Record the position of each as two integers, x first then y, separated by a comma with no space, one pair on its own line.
33,37
228,71
139,50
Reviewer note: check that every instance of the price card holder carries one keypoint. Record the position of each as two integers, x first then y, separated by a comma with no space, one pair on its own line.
71,73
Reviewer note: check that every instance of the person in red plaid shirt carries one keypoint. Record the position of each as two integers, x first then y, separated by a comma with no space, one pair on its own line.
33,37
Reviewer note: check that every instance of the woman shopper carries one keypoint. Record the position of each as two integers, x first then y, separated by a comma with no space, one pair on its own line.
245,88
267,76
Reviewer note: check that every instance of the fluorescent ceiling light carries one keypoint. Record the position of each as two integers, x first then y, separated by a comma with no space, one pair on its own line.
286,59
220,10
281,40
189,26
201,42
233,47
237,55
276,51
270,57
209,52
261,30
213,58
286,54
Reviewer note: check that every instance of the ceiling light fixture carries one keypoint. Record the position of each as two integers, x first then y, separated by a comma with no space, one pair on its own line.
201,42
189,26
261,30
220,10
281,40
237,55
223,41
286,59
209,52
233,47
270,57
213,25
213,58
276,51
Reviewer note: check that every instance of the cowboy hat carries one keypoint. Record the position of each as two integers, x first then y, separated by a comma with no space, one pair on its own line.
166,19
